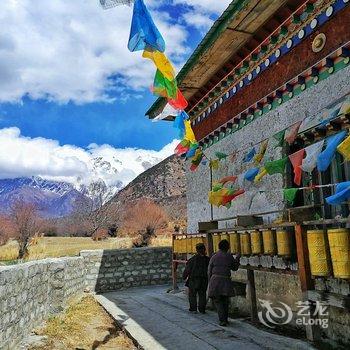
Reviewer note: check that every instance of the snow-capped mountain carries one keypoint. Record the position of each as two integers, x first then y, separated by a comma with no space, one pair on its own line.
52,198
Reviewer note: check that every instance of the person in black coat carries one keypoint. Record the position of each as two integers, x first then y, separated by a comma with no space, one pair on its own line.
196,277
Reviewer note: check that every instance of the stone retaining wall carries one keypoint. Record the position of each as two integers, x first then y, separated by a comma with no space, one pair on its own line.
32,291
119,269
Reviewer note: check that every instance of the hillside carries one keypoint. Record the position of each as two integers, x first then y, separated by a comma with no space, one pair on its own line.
164,183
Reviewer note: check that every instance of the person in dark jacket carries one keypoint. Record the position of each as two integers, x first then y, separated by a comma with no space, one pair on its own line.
196,277
221,287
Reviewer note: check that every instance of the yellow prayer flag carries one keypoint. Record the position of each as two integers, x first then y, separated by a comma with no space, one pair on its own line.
215,198
344,148
258,157
161,62
189,134
262,173
214,164
345,107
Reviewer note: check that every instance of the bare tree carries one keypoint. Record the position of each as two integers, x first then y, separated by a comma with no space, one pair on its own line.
26,224
144,217
92,210
6,229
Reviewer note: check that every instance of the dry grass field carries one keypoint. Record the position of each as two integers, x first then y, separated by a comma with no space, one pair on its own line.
85,325
49,247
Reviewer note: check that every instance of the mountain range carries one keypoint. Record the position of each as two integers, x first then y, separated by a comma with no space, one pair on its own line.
164,183
52,198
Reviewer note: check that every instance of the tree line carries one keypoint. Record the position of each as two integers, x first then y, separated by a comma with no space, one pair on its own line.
93,215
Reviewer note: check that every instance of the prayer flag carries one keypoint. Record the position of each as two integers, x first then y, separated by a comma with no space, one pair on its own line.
345,108
292,132
344,148
296,159
276,166
214,164
342,194
143,33
164,87
227,179
162,63
262,173
179,102
289,194
249,156
179,123
251,173
221,155
196,160
189,134
312,152
325,158
263,147
168,110
279,137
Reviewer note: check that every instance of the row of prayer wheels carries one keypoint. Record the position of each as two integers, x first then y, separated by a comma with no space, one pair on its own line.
256,242
336,257
187,244
268,242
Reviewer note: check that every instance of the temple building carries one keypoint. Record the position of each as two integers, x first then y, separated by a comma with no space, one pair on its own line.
268,98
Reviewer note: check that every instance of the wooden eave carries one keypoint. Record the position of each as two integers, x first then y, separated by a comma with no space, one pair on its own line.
241,25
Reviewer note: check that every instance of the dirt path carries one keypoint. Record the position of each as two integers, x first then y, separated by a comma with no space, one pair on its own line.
85,325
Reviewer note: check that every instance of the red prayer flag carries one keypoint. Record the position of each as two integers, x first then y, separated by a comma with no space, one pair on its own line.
296,159
229,198
226,179
179,102
181,149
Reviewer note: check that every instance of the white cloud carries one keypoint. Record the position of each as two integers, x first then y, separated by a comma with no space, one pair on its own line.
200,21
66,50
208,6
23,156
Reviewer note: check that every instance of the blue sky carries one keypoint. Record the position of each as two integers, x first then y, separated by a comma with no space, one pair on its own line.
67,77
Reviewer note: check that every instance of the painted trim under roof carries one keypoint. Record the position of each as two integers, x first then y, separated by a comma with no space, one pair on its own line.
218,27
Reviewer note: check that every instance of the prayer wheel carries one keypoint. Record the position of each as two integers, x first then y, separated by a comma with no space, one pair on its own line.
234,243
269,242
316,244
195,241
225,236
216,240
283,243
177,245
256,242
339,243
245,243
188,244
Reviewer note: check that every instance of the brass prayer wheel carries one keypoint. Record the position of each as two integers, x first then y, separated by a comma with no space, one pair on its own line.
283,243
177,245
216,240
225,236
245,243
269,242
256,242
317,253
339,243
234,243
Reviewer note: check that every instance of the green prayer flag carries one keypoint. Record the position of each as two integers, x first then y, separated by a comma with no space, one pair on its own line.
221,155
276,166
289,194
279,137
163,86
217,187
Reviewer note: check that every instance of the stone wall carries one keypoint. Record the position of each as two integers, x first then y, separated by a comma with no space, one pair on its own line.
32,291
311,102
119,269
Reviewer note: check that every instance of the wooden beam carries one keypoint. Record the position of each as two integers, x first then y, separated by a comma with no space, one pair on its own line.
252,295
306,282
